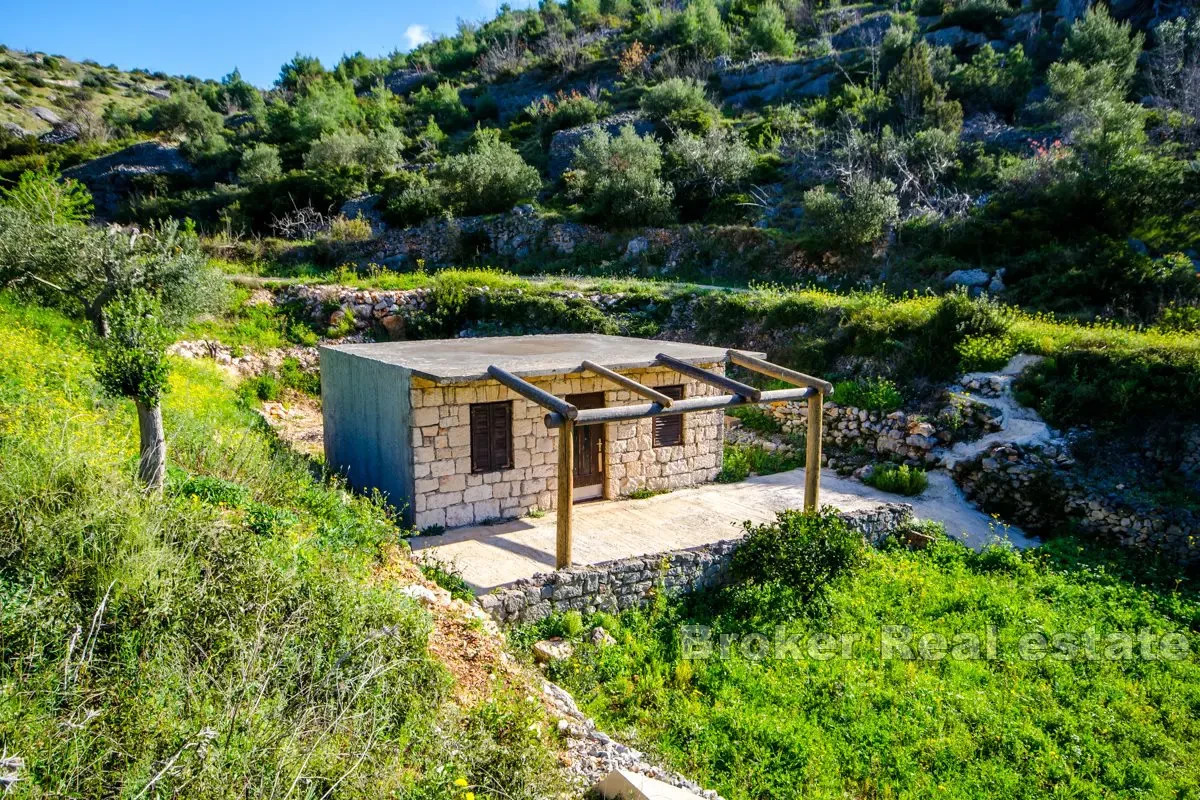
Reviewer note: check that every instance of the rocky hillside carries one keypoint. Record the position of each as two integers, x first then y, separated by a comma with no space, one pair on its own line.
58,100
1033,148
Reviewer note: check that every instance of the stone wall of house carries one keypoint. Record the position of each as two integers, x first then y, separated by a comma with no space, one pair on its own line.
1039,489
447,493
629,582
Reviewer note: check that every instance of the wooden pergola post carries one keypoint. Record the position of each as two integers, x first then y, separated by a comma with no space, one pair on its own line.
566,490
812,459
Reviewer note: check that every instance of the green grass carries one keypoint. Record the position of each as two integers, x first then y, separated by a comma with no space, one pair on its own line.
898,479
242,631
875,727
740,461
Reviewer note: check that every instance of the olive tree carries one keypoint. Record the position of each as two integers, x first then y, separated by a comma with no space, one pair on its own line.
133,287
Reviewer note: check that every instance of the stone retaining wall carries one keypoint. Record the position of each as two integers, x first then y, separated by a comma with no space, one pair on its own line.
626,583
912,438
1039,489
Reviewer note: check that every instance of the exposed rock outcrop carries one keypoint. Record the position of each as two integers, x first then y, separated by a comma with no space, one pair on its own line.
110,178
564,143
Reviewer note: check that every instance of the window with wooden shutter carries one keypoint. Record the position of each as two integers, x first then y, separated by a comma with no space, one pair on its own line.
668,431
491,436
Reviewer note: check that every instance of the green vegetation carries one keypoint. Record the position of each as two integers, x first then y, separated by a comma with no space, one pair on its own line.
873,394
228,628
934,723
743,460
897,479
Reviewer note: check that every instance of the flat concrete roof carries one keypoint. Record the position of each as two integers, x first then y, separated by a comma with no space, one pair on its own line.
467,359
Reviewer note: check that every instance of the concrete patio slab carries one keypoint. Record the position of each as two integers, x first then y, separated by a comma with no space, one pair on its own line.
489,556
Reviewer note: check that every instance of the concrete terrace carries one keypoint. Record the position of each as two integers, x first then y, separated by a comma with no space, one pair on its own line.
490,556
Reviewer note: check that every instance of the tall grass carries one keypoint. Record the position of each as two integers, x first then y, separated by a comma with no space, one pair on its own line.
186,647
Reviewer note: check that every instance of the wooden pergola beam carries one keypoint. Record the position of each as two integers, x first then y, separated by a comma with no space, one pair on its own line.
601,416
711,378
780,373
533,393
628,383
816,409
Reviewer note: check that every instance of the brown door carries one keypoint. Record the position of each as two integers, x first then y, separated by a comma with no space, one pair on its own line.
589,449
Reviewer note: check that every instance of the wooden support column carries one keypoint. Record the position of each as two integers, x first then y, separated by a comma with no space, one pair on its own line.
812,460
566,490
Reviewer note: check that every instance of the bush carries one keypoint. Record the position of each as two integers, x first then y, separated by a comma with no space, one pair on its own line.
492,177
702,168
46,199
680,103
443,104
769,32
260,164
873,394
409,198
902,479
1098,39
800,554
342,229
375,154
853,218
740,461
994,80
619,180
700,28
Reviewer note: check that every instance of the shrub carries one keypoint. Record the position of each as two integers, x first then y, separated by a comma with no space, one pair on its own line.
1098,39
680,103
740,461
46,199
410,198
853,218
260,164
801,554
994,80
757,419
492,177
705,167
769,32
342,229
442,104
978,353
873,394
902,479
619,179
700,28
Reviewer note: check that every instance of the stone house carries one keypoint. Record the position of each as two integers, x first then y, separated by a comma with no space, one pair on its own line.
448,444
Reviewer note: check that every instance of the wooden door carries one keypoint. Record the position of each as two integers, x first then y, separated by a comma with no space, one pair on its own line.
589,449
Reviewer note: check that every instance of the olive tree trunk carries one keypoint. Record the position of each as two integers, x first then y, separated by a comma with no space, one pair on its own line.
152,465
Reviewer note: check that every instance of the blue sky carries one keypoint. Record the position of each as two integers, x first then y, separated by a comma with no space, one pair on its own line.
210,38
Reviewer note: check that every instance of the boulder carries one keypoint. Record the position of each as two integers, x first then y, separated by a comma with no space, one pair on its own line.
14,130
955,37
772,81
555,649
971,278
564,143
1070,10
109,178
1022,26
637,247
862,33
45,115
62,133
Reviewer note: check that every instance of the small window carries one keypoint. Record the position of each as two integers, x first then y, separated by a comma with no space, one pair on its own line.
491,436
668,431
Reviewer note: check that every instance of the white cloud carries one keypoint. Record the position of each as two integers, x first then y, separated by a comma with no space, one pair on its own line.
417,35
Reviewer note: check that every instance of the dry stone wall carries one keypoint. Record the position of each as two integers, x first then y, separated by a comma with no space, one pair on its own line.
447,493
912,438
630,582
1039,489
